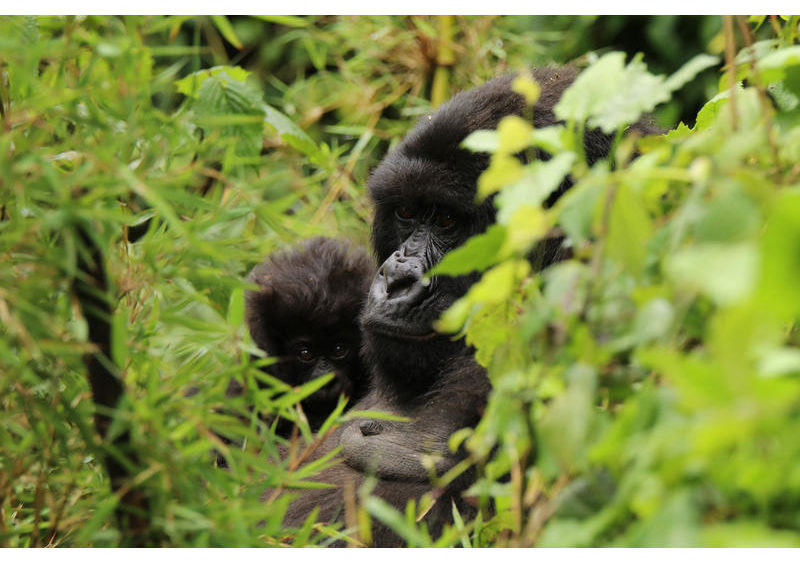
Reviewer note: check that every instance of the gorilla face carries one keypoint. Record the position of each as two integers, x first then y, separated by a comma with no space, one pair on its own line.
305,315
401,308
424,196
400,303
309,354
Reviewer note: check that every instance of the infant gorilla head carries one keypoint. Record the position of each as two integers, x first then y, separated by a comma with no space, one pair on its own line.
305,315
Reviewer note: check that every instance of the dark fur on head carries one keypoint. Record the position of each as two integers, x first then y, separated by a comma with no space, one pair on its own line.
430,164
313,294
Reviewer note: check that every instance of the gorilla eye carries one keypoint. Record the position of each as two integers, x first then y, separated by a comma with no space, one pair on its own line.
305,355
404,213
445,220
340,351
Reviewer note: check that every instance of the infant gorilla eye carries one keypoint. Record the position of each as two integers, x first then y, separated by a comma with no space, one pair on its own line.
445,220
404,213
305,355
340,351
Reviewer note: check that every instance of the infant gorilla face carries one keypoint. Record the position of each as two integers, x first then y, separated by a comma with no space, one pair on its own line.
304,314
308,356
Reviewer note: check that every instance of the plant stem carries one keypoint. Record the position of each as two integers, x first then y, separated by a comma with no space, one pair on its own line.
445,59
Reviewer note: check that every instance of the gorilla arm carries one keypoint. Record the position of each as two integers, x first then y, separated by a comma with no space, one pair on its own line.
413,451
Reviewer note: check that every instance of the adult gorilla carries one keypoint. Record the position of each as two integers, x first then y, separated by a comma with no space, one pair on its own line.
424,195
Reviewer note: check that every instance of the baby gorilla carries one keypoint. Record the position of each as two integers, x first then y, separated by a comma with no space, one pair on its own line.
305,315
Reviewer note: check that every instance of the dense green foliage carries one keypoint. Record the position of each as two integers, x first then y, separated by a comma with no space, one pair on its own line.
646,391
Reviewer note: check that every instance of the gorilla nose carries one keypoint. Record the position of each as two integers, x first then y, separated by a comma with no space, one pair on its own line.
404,278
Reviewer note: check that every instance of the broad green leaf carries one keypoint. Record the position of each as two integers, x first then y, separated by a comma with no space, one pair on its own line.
223,97
629,229
610,95
552,139
525,84
503,170
576,210
586,95
775,361
514,134
774,66
639,92
190,85
528,224
724,272
729,217
780,258
478,253
482,140
534,186
674,525
708,113
567,424
490,328
496,286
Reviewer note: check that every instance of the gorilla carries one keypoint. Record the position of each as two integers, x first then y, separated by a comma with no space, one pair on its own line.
305,314
424,198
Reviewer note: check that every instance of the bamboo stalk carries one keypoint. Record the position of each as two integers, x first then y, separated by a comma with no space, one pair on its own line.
445,59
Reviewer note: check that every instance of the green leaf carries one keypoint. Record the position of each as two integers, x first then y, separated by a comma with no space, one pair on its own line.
289,21
724,272
773,67
576,210
586,95
482,140
490,328
731,216
228,100
780,259
514,134
708,113
236,307
565,427
629,229
688,71
226,29
610,95
674,525
525,84
190,85
290,132
537,181
384,512
639,92
478,253
746,533
503,170
496,286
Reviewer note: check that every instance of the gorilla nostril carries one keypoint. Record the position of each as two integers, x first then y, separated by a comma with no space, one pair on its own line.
398,284
370,428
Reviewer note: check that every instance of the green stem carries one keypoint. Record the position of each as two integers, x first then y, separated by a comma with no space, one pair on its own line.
445,59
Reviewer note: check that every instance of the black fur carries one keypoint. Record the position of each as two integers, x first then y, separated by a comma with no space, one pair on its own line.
310,298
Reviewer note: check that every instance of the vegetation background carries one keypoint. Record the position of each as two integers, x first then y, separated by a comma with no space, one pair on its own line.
646,392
